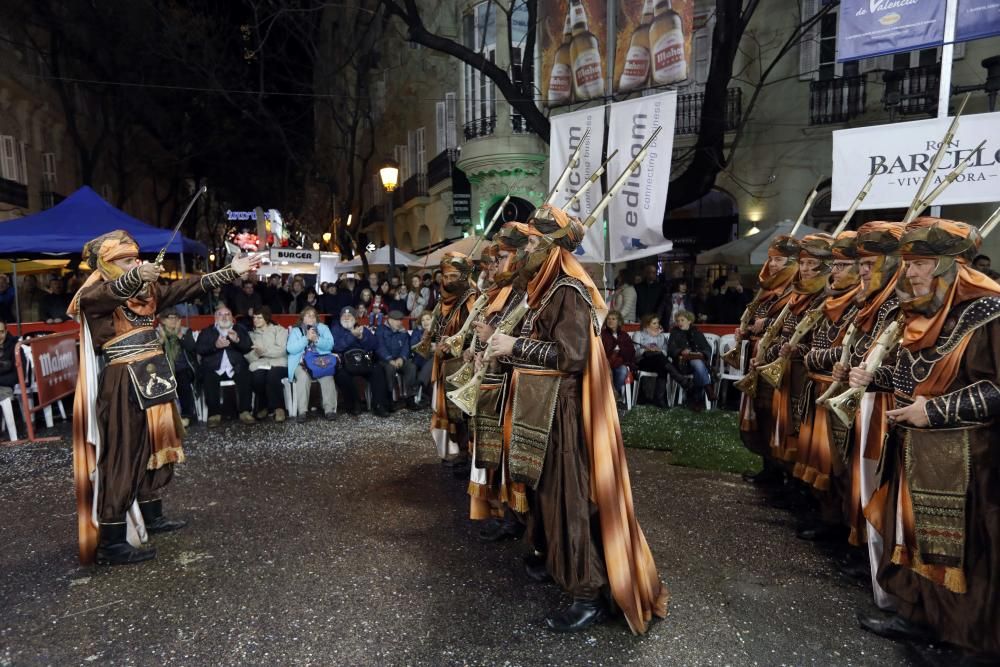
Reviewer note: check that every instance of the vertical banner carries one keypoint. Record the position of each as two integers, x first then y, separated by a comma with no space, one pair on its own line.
653,43
977,19
868,28
567,131
635,216
571,35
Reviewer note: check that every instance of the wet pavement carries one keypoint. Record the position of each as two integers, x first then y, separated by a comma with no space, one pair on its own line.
349,544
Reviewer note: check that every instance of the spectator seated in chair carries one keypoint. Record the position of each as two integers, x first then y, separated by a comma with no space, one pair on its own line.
180,347
310,336
424,365
692,355
268,364
223,348
619,349
355,345
393,354
651,346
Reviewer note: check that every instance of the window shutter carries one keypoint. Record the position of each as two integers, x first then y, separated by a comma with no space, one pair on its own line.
8,163
809,43
22,163
451,118
421,166
441,128
49,174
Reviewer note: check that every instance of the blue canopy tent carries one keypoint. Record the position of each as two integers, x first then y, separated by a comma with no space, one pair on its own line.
83,216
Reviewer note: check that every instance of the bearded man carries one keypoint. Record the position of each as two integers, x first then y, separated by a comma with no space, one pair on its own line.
821,459
756,418
565,441
126,428
937,509
448,425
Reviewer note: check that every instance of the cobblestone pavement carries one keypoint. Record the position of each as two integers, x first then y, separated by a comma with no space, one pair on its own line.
349,544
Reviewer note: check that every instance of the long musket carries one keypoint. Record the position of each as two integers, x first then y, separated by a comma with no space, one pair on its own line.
163,252
748,385
845,405
842,225
806,206
596,176
845,358
622,178
775,371
948,180
486,231
574,160
466,396
990,224
935,161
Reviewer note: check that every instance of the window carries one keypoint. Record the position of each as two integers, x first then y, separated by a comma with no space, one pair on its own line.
49,174
480,35
108,193
451,118
13,160
401,154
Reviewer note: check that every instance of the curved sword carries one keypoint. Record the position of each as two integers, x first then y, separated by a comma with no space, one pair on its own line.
163,252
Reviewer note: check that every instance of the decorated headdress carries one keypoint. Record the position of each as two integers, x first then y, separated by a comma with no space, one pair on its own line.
557,227
818,246
845,246
456,261
880,239
936,237
784,245
512,236
844,286
99,255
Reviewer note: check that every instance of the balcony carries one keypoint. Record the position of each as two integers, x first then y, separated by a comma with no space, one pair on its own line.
50,199
689,111
415,186
836,100
912,91
481,127
439,169
13,193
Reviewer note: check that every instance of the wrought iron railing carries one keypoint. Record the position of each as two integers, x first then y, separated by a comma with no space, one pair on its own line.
912,91
13,193
481,127
439,168
415,186
689,110
836,100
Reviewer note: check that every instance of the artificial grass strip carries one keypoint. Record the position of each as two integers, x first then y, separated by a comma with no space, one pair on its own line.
707,440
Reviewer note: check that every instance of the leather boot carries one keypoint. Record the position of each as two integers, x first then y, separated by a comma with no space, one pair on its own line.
894,627
501,529
580,615
112,549
152,516
534,567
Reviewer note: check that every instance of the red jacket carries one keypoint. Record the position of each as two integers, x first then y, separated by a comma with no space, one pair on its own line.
619,349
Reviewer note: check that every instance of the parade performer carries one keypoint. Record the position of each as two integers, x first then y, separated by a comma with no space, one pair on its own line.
566,443
448,424
879,267
938,509
507,499
808,293
756,419
126,428
823,444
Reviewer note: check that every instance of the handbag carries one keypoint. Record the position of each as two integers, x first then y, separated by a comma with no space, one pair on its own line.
357,361
319,365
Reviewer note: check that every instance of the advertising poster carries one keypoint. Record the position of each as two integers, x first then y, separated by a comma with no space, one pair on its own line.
977,19
568,130
653,43
869,28
572,36
635,216
898,155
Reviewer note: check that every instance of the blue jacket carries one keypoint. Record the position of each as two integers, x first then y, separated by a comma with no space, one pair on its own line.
392,344
297,343
344,340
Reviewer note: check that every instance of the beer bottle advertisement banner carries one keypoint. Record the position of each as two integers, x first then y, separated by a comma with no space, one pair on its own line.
653,43
572,36
567,132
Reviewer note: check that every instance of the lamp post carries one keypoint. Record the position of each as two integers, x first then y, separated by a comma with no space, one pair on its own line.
389,173
326,239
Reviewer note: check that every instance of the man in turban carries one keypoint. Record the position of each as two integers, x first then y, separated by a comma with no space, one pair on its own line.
565,442
938,510
126,428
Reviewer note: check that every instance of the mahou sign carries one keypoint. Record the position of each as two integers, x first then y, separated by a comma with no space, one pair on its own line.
55,365
899,155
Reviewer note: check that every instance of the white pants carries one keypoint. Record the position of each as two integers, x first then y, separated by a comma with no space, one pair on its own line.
303,383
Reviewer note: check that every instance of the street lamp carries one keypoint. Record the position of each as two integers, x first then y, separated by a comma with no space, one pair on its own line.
389,173
326,239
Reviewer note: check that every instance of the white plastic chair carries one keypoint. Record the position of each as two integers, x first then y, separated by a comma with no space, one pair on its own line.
725,371
7,407
642,375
